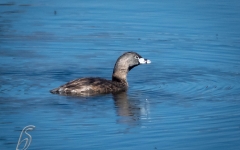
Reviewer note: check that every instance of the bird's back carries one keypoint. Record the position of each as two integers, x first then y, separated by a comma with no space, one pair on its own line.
89,86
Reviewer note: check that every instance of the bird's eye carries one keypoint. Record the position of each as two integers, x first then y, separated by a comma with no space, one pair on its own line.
136,57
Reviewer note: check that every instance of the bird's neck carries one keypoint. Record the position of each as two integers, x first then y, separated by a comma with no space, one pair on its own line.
120,75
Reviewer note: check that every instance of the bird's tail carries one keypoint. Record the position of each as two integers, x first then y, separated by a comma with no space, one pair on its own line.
54,91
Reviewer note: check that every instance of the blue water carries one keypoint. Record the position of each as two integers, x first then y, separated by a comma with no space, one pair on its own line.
186,99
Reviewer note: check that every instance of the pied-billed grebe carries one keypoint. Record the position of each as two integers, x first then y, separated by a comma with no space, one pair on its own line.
92,86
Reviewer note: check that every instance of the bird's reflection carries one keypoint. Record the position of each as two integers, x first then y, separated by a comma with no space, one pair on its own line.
128,109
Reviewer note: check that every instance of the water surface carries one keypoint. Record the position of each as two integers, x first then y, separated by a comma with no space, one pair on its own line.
188,98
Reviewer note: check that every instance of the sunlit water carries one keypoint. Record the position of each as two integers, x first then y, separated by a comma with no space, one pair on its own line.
188,98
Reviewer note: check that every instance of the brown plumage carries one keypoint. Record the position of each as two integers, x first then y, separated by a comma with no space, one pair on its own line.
93,86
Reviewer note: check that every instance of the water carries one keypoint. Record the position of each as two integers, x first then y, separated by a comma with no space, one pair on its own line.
188,98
